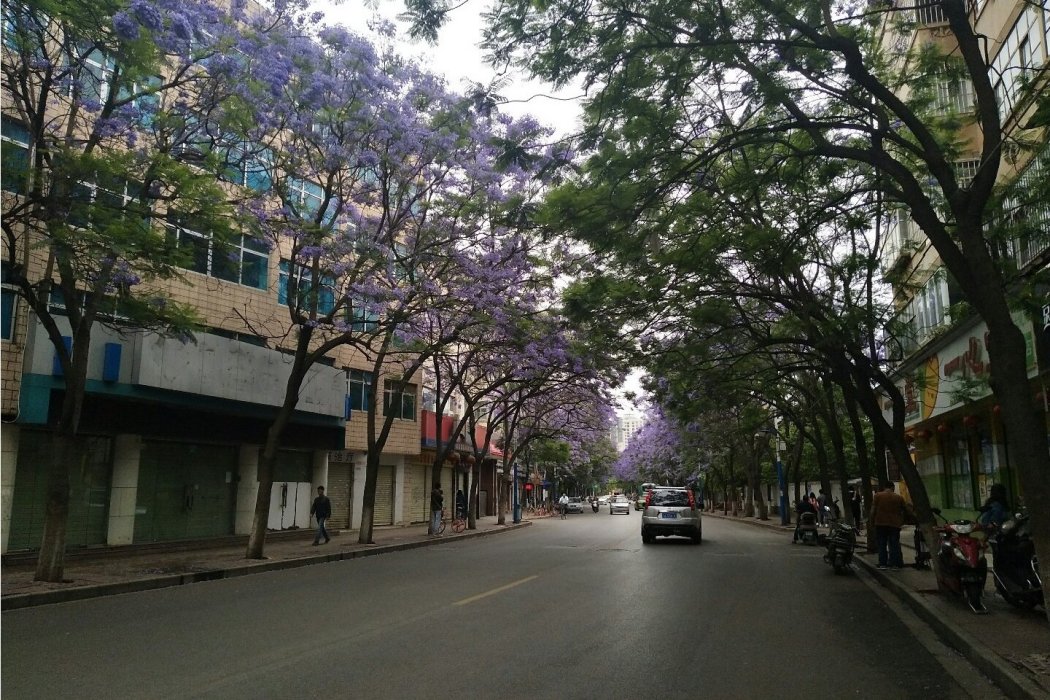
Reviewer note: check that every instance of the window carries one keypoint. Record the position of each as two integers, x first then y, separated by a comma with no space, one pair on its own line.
251,170
304,284
359,386
1026,207
100,202
1018,57
146,103
242,261
928,308
8,300
14,154
93,76
399,402
966,171
305,197
361,318
953,96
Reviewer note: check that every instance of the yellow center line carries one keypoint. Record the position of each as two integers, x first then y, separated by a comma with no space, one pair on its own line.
494,591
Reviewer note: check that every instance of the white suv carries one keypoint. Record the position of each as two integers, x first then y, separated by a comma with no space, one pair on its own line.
670,511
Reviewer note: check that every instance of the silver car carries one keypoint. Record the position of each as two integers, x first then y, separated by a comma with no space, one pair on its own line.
670,511
619,504
575,505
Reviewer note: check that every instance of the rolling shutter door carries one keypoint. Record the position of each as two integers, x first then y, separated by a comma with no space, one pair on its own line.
417,493
384,510
339,493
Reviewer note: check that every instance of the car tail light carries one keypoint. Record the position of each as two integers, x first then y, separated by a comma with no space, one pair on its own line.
692,498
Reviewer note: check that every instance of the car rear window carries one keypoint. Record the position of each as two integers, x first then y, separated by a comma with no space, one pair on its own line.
670,497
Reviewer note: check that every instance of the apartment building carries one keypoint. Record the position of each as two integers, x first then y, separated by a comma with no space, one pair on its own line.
172,428
958,442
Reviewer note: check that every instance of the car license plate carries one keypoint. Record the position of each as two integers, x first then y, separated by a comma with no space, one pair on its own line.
669,516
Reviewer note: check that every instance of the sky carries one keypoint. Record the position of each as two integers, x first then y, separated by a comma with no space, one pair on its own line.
458,57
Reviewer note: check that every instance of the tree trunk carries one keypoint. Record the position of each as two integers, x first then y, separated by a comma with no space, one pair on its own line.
51,559
50,564
368,499
1027,428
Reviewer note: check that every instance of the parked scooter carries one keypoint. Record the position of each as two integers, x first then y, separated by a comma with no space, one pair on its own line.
961,565
1015,569
807,528
841,540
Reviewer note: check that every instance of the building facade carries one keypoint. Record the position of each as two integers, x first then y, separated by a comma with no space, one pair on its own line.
958,442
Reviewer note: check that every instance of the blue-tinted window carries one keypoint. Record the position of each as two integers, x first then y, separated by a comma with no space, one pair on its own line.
14,153
8,299
304,282
360,384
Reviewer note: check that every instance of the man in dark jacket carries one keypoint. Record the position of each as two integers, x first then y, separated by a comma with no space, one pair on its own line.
322,510
437,502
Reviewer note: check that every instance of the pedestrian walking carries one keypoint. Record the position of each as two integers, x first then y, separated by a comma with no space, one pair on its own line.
887,513
322,510
822,501
437,502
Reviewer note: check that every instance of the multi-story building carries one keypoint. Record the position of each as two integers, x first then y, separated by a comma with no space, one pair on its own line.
627,424
940,362
171,429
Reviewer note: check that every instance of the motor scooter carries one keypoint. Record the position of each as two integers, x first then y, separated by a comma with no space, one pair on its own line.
594,505
807,528
1015,569
961,565
840,541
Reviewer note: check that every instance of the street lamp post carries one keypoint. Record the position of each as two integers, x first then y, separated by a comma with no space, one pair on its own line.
782,485
781,479
514,497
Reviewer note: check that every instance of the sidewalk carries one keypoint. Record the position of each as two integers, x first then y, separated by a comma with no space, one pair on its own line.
110,571
1010,646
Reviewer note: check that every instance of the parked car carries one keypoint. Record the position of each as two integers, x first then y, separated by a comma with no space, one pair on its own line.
575,505
670,511
619,504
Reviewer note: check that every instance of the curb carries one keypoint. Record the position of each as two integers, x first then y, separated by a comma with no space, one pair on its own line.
999,670
27,600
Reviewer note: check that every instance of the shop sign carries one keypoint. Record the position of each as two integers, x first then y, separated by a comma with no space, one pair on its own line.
969,363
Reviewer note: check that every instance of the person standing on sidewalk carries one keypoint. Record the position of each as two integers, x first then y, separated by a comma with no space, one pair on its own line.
437,502
854,507
887,513
322,510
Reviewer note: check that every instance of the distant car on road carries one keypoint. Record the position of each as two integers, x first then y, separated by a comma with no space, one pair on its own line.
619,504
639,503
603,500
670,511
575,505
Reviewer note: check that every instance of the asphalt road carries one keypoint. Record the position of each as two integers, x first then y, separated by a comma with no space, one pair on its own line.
564,609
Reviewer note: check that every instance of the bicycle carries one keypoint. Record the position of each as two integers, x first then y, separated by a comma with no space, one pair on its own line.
458,524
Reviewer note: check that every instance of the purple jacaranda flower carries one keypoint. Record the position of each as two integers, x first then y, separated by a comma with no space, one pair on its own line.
125,26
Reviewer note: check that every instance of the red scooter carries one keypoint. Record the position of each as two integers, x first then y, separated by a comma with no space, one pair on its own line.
961,565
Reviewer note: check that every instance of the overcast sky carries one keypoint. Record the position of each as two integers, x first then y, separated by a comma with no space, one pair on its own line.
458,57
